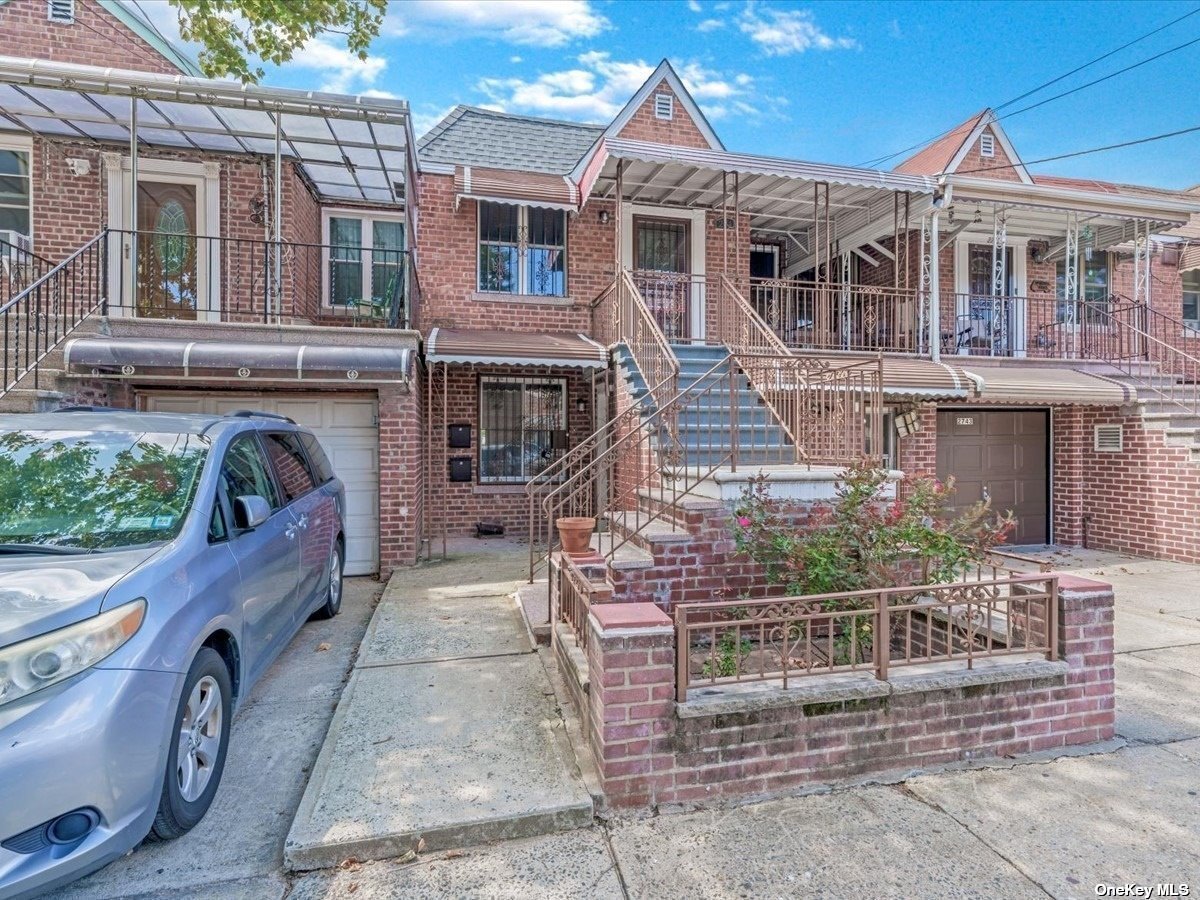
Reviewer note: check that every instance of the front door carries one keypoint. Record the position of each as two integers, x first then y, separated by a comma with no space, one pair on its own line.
987,323
661,262
1001,456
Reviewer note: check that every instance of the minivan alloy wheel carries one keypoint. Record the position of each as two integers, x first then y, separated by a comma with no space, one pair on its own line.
200,735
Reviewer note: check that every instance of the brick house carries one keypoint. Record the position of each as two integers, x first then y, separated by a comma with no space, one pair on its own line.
1042,354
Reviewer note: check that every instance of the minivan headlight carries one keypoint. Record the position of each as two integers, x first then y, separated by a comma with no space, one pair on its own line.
50,658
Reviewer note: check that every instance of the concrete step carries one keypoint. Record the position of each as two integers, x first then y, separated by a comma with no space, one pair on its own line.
648,530
28,400
628,556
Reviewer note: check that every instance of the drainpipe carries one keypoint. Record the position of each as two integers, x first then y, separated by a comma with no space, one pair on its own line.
133,203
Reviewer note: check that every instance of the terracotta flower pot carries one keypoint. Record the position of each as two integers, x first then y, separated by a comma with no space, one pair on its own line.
575,533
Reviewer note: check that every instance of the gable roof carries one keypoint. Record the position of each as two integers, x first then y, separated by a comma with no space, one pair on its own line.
135,21
944,154
664,72
472,136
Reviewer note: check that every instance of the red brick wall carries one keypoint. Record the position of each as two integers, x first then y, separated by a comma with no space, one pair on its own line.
96,38
680,130
1144,500
648,755
998,166
401,467
459,506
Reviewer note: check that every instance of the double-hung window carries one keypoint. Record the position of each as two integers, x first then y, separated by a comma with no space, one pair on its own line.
15,190
522,421
1093,282
522,250
366,259
1191,297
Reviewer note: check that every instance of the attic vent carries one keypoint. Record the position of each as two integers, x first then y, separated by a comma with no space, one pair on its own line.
1109,438
664,106
61,11
987,144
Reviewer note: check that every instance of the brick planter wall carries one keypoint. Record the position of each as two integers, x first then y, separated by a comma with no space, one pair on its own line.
651,751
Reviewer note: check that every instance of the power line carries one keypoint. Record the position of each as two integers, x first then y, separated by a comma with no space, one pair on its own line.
1044,85
1133,143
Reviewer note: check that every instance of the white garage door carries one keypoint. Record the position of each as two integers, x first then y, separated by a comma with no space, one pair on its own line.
346,429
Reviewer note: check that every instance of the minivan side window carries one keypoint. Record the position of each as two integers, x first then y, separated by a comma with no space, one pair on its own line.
245,472
290,464
321,468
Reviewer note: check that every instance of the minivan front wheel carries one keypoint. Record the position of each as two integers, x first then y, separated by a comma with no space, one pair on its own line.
199,743
333,597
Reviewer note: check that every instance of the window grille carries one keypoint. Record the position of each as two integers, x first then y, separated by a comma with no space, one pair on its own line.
522,250
1109,438
62,11
664,106
522,426
987,145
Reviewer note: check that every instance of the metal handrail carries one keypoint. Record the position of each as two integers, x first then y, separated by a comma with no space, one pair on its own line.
740,326
40,317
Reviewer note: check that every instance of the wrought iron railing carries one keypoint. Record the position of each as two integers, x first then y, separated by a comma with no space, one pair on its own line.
739,326
638,327
781,638
187,276
19,268
809,315
576,594
36,319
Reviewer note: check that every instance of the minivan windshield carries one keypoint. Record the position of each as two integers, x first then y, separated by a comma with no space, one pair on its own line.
95,490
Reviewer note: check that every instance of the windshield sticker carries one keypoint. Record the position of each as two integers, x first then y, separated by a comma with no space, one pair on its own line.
145,523
163,521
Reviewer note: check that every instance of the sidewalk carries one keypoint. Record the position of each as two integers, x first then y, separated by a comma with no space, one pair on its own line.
448,734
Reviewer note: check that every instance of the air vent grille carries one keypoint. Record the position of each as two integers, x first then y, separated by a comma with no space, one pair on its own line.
664,106
987,144
61,11
1109,438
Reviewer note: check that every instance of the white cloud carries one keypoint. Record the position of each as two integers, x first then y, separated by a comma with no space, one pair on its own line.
710,25
598,86
541,23
515,60
781,32
427,116
694,6
340,70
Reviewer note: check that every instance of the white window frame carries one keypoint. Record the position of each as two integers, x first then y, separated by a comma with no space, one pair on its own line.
19,144
523,246
367,217
523,380
1193,323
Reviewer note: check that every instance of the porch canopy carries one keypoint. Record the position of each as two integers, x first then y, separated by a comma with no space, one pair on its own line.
236,361
1040,385
814,203
510,348
349,148
912,378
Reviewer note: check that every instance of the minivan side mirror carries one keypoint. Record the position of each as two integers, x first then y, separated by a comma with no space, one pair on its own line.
250,511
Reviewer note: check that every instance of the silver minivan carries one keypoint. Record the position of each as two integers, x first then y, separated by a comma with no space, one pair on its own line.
152,566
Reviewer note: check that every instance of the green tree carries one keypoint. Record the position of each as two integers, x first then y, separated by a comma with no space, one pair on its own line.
234,33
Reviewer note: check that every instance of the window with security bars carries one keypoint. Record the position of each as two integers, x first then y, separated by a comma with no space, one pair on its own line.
522,250
1191,297
522,422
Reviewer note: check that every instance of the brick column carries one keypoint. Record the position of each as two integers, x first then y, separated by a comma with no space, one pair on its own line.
631,668
1085,643
1068,444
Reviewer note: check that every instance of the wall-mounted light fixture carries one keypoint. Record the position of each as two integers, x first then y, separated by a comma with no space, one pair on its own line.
604,217
581,405
908,423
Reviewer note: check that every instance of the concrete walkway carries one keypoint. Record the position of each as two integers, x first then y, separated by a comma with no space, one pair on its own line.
447,734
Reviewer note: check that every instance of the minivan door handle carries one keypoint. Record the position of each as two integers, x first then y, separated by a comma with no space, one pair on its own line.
303,521
290,531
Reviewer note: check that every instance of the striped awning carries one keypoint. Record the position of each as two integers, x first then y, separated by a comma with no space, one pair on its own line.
527,188
1047,385
512,348
909,378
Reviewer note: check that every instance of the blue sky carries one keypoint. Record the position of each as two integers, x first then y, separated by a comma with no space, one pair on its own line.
833,82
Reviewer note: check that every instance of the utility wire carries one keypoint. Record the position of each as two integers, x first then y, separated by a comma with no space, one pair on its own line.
881,159
1133,143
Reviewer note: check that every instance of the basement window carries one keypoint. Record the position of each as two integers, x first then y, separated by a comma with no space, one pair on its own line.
521,422
1109,438
987,144
61,11
664,106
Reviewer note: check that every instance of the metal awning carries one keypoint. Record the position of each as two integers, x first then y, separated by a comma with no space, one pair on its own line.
351,148
526,188
912,378
237,361
1048,385
776,193
510,348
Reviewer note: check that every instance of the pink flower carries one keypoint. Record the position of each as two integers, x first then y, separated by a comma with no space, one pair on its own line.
744,521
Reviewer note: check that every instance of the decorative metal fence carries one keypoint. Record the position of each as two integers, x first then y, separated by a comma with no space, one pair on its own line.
783,638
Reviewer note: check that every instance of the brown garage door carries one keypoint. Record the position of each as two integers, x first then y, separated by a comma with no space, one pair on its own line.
999,454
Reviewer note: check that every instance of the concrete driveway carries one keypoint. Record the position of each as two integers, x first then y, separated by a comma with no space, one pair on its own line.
237,850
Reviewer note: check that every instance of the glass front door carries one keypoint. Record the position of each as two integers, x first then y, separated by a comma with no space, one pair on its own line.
168,270
986,321
661,260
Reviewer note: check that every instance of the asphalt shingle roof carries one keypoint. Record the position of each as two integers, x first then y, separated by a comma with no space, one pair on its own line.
470,136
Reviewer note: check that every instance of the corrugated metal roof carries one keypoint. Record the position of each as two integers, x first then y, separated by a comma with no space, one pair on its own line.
470,136
906,377
513,348
534,188
934,157
1048,384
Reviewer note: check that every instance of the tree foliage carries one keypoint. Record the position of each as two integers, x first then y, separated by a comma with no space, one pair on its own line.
237,33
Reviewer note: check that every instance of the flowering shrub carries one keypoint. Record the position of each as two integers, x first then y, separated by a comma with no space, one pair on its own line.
863,541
